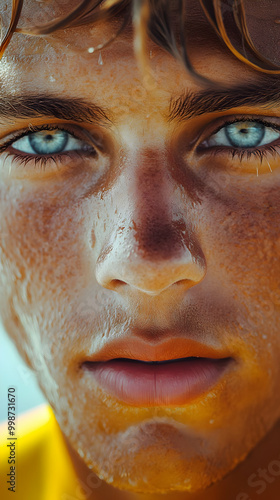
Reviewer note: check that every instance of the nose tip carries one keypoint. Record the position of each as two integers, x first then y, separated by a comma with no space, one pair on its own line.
125,262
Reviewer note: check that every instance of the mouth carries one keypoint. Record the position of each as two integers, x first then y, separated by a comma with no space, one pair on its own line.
162,362
169,382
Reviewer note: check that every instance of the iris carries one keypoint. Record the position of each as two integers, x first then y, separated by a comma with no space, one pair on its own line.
245,134
48,142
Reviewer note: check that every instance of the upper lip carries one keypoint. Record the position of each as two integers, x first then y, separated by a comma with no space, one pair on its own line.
173,348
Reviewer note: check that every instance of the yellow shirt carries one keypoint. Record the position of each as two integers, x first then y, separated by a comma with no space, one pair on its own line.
43,469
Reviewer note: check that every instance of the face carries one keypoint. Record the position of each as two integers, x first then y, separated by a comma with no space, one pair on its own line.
142,229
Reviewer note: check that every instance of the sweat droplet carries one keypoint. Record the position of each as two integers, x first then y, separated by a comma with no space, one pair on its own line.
100,60
90,50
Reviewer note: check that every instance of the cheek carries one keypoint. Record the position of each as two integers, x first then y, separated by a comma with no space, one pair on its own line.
252,242
240,237
40,255
242,233
38,241
241,242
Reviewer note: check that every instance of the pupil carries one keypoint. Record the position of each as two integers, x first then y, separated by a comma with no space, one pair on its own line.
49,137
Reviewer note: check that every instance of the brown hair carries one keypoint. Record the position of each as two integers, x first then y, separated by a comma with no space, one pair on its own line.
153,18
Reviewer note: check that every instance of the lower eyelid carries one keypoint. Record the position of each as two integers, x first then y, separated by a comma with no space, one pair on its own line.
30,164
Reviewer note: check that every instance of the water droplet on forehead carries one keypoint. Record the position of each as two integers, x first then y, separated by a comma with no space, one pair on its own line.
100,60
91,50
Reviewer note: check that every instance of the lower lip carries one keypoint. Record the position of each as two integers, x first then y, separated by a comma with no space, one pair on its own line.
172,383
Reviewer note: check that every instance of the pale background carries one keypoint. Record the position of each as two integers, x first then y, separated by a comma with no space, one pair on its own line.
15,373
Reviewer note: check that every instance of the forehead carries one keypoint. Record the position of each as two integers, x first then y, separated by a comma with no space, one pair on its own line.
67,53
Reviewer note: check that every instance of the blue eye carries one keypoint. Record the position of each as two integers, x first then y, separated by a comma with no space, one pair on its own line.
244,134
248,135
49,146
48,142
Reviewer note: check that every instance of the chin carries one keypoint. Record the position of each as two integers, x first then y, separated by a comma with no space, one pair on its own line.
158,471
165,481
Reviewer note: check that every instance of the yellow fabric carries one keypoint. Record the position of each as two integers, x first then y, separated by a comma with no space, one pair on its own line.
43,468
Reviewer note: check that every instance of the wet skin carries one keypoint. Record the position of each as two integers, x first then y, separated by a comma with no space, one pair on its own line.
153,231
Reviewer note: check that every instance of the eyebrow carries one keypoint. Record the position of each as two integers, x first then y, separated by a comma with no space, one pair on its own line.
265,92
52,106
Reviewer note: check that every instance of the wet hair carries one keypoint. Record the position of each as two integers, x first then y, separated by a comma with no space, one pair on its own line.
154,19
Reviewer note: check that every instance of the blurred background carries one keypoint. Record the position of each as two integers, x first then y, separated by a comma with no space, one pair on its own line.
14,373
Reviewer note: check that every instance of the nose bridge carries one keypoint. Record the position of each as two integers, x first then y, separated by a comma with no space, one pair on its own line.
156,231
150,245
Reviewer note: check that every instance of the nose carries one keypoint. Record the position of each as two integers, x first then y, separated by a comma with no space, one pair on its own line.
151,244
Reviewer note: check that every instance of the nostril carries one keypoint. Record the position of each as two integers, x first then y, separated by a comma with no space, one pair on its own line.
116,283
182,282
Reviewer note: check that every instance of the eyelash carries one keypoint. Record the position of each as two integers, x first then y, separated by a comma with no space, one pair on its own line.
41,161
240,153
261,154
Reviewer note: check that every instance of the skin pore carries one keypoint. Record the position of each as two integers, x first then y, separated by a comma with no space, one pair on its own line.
160,228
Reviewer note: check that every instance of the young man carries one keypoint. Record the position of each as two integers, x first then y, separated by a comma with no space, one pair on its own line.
140,238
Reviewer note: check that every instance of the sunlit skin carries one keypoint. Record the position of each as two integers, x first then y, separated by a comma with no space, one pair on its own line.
150,234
